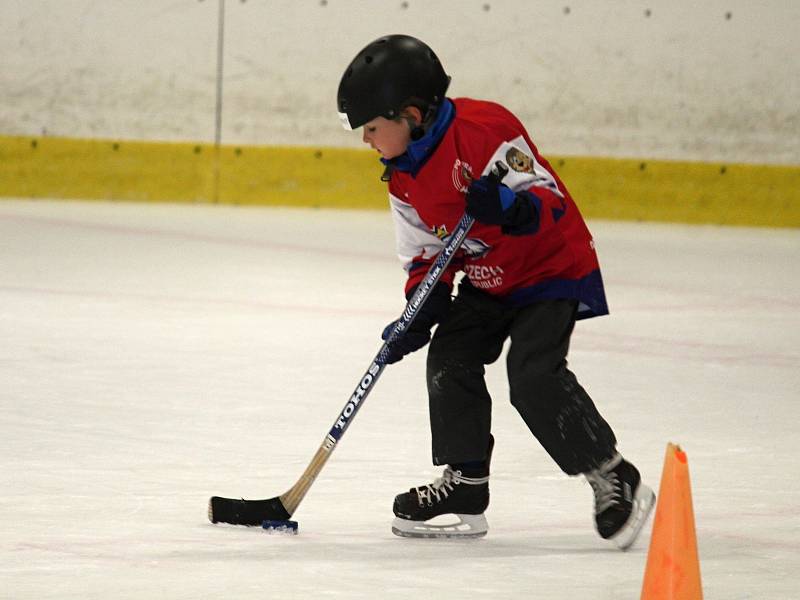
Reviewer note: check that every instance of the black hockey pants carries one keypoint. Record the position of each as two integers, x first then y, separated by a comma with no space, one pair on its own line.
544,391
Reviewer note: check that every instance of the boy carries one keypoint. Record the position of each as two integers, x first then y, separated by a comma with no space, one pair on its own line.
530,271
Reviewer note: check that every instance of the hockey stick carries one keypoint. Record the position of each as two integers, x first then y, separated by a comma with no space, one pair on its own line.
275,512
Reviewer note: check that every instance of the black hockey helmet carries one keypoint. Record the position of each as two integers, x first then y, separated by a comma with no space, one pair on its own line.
389,74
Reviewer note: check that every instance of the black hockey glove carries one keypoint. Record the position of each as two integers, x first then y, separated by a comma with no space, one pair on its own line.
493,203
419,333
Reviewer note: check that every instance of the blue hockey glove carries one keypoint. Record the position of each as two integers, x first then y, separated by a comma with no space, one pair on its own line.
493,203
489,201
419,333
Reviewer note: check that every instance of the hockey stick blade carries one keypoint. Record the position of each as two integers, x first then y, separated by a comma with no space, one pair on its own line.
252,513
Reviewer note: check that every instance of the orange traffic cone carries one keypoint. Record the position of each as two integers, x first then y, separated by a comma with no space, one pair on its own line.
673,567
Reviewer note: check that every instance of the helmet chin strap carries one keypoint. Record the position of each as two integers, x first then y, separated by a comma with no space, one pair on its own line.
416,131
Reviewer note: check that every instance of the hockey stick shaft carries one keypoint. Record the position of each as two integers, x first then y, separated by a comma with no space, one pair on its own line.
292,498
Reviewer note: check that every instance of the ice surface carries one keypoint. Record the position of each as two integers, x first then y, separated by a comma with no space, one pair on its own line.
155,355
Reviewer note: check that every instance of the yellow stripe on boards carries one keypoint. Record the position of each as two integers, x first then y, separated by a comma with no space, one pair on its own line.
294,176
100,169
684,192
185,172
619,189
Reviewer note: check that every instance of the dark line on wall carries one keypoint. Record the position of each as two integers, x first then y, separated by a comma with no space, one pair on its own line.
218,107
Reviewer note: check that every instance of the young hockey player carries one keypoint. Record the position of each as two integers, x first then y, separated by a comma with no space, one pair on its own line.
530,271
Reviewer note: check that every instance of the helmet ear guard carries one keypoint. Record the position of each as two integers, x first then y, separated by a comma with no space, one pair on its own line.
387,75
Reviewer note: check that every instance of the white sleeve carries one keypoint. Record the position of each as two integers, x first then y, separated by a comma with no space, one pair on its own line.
524,170
412,237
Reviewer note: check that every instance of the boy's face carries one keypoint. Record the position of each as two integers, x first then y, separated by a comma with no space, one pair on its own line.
390,138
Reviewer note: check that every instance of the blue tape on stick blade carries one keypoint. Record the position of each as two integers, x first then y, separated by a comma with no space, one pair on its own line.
289,527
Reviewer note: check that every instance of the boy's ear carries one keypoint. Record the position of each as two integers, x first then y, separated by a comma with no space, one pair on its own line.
413,113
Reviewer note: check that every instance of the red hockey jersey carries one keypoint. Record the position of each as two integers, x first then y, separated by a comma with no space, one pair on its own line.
556,260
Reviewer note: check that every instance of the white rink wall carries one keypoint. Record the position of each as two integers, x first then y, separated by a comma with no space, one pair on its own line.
717,80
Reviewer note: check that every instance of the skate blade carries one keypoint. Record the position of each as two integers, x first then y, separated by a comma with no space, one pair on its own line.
643,503
468,526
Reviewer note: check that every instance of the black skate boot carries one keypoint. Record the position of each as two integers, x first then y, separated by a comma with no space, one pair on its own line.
465,498
622,502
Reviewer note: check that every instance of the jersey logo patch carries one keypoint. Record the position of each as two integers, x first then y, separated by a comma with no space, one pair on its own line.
519,161
462,175
471,248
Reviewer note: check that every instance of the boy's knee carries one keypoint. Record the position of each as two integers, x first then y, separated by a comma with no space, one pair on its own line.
446,371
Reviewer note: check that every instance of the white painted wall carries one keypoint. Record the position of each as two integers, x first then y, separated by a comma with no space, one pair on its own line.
680,79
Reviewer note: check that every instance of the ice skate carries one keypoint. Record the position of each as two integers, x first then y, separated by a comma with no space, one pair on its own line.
622,502
450,507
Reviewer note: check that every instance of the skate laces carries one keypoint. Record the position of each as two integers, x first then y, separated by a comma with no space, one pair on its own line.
605,484
441,487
